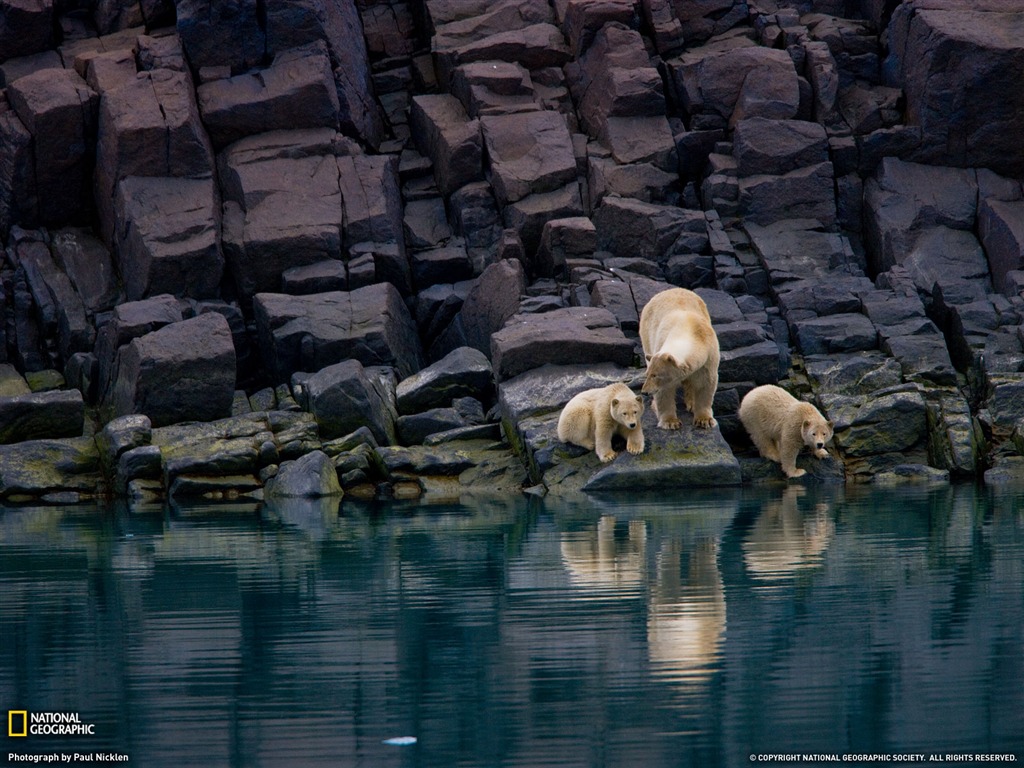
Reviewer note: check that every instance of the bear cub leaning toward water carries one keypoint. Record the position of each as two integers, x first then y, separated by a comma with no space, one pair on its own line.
594,416
681,349
780,425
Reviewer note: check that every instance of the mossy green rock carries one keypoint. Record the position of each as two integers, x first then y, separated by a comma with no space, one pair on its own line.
38,467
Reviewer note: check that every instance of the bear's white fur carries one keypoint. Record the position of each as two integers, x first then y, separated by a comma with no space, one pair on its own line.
681,348
780,425
593,416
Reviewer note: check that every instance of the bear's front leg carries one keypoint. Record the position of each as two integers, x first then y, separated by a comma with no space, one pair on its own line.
603,443
665,408
635,441
821,453
788,451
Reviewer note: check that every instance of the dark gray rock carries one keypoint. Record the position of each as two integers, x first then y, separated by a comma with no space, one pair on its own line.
310,476
541,391
567,336
413,429
1001,230
122,434
60,112
464,372
426,223
440,265
322,277
805,193
307,333
835,333
454,143
41,415
39,467
632,228
143,462
184,371
529,215
905,198
344,397
859,373
528,152
884,422
27,28
492,300
296,91
775,147
964,120
564,238
166,237
88,265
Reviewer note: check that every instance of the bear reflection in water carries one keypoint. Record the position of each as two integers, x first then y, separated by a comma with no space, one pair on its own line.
685,594
785,540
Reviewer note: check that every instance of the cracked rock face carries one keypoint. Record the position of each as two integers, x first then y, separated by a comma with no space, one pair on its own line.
370,222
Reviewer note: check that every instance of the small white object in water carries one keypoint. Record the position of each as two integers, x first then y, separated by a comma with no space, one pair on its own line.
401,741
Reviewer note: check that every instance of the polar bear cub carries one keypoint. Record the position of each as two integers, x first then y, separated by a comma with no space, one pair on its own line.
780,425
593,416
681,348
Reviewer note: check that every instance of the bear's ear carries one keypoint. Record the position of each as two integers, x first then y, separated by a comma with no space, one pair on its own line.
807,423
615,402
830,424
639,399
647,357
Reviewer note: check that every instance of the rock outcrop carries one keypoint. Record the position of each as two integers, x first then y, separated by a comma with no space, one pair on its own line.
260,247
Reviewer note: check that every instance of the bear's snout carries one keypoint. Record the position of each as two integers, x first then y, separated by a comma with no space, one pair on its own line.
820,444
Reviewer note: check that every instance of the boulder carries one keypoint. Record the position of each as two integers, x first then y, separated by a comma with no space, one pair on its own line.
41,415
122,434
1001,230
563,239
60,112
344,397
970,114
493,88
283,205
711,80
941,256
835,333
464,372
183,371
89,266
534,46
903,199
18,197
26,27
633,228
213,35
425,223
582,20
453,142
763,146
296,91
884,422
492,300
528,215
307,333
529,152
807,193
310,476
321,277
167,237
39,467
573,335
148,126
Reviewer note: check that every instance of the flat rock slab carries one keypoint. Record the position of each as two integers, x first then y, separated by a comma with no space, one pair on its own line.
307,333
684,458
464,372
563,336
38,467
41,415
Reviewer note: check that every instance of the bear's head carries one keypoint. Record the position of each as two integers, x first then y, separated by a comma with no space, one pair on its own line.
662,371
816,432
627,410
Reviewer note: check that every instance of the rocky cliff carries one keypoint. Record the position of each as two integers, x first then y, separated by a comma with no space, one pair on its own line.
398,236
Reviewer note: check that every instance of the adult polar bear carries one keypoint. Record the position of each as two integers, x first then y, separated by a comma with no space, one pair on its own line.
681,348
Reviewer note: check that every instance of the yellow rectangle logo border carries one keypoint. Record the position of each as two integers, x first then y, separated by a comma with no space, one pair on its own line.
10,722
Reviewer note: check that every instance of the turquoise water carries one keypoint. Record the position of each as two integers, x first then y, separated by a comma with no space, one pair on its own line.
686,629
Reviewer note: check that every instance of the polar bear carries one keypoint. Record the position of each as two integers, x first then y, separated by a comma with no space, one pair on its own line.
593,416
780,425
681,348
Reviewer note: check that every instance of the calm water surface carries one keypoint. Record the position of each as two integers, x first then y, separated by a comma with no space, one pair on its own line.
694,629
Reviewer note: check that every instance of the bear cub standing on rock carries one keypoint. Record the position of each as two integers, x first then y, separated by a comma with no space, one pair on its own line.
681,348
593,416
780,425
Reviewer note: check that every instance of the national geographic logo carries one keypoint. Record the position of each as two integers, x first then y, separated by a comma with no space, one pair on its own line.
22,723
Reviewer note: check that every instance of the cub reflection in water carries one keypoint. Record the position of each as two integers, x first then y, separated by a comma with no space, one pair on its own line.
786,540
